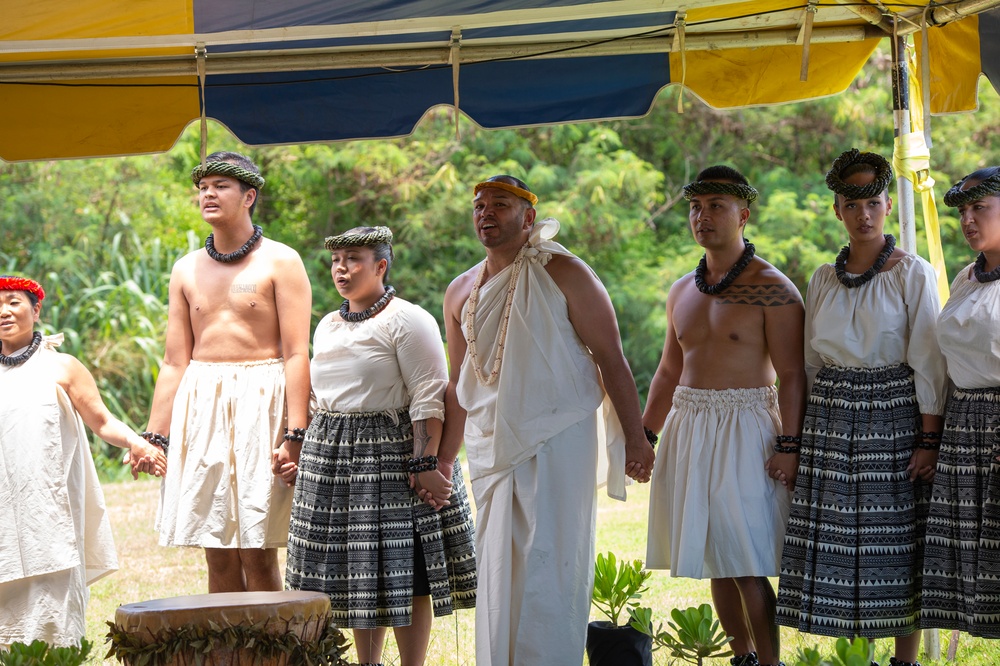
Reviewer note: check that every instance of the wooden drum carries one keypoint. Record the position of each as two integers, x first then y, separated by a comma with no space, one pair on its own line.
227,629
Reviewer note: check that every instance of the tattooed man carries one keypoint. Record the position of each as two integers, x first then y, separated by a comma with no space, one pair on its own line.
719,497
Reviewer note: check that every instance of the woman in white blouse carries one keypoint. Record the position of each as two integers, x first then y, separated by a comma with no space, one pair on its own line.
962,557
877,386
359,531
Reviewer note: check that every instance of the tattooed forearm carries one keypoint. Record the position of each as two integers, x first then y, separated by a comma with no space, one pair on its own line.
420,438
767,295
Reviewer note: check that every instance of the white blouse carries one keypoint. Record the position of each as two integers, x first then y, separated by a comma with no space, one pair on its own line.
886,321
968,331
388,362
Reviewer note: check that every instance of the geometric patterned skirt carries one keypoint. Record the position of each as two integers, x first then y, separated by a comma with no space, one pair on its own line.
961,588
853,546
355,520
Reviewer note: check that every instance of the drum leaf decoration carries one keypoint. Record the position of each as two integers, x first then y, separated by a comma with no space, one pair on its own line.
215,645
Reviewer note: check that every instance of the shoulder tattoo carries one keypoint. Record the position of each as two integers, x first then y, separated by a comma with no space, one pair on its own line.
766,295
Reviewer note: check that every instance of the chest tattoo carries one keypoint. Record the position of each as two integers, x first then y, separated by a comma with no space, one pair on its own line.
766,295
243,288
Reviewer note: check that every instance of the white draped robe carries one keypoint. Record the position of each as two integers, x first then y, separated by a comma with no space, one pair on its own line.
55,536
532,441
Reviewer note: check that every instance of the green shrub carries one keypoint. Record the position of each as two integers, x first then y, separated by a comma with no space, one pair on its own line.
40,653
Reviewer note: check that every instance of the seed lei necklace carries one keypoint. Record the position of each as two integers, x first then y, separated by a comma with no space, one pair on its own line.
238,254
10,361
714,290
979,269
377,306
470,321
851,282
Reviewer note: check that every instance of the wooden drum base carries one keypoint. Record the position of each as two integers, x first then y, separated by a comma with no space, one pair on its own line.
228,629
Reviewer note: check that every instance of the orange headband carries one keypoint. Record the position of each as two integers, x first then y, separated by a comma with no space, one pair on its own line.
513,189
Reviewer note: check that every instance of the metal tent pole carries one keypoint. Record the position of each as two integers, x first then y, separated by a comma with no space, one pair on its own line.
901,127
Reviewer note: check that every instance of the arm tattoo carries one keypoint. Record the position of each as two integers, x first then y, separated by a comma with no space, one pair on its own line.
420,438
767,295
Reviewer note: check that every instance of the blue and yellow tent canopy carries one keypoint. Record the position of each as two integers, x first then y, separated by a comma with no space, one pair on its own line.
104,77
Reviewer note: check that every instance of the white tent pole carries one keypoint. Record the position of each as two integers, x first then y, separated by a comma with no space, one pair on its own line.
904,203
901,127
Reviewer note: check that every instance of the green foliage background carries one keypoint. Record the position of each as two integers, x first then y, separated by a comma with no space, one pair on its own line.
102,235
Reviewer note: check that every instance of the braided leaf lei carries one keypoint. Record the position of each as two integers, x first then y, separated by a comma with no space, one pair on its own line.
851,282
714,290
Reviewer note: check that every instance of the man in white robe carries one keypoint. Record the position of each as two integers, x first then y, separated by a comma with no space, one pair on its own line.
533,344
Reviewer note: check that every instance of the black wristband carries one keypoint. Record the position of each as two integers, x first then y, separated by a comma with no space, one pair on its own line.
424,464
781,448
156,439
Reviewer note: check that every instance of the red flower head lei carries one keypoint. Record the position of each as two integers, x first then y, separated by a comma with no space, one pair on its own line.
15,283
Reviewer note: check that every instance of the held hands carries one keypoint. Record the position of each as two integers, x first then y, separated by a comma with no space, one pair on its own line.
639,459
923,465
285,462
145,458
783,468
434,487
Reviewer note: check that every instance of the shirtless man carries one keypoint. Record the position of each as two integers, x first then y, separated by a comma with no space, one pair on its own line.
235,373
734,325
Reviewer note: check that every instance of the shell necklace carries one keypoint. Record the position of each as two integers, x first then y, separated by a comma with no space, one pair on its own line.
238,254
10,361
470,321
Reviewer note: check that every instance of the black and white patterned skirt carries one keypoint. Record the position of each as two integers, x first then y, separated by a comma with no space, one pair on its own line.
355,520
961,588
851,559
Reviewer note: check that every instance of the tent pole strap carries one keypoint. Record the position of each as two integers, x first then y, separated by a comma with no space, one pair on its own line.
680,22
201,54
901,127
455,56
805,37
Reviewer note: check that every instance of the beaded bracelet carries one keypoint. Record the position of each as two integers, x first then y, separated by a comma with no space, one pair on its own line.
156,439
782,440
296,435
425,464
929,441
651,436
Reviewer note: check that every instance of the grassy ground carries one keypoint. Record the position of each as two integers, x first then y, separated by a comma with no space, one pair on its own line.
150,572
